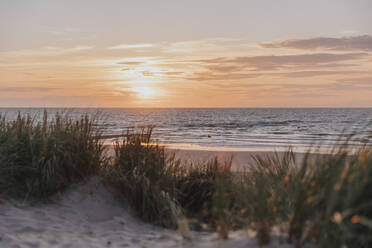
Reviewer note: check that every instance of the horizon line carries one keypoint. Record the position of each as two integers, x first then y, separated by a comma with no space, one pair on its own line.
1,107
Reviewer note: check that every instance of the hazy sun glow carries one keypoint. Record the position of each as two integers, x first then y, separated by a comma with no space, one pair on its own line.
151,54
145,92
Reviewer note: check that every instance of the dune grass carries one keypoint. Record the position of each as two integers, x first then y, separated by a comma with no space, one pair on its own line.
38,159
332,200
325,200
159,187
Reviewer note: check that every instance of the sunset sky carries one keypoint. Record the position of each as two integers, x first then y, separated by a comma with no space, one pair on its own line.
169,53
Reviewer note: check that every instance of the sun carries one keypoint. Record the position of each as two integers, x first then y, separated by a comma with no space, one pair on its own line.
144,91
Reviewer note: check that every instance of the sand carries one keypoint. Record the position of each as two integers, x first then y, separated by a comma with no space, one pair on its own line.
241,159
88,215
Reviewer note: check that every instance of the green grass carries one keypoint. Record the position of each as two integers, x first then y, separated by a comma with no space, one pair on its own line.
325,200
38,159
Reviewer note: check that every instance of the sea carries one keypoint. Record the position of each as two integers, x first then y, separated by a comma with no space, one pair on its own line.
232,129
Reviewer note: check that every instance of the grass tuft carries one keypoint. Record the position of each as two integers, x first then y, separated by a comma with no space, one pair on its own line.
38,159
161,188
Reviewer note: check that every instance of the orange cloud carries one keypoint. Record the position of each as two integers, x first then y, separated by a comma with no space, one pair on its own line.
359,43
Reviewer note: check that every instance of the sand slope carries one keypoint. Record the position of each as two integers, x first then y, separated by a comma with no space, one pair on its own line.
88,215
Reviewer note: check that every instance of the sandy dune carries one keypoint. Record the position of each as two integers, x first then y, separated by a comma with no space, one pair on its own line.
87,215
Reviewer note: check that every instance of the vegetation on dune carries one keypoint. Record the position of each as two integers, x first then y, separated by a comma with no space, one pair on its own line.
139,173
38,159
324,199
158,186
332,201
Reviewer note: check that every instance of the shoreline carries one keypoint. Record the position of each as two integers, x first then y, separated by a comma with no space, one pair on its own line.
240,159
316,148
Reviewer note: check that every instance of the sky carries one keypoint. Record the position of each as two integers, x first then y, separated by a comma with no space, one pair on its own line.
166,53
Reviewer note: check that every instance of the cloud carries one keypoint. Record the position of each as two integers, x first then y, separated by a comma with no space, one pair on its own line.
202,46
131,46
361,82
307,74
69,49
130,63
82,48
37,54
26,89
279,66
359,43
224,68
172,72
283,61
275,62
147,73
211,76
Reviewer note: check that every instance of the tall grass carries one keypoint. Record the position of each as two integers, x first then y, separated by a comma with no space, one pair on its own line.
266,193
159,187
38,159
140,172
324,199
333,200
